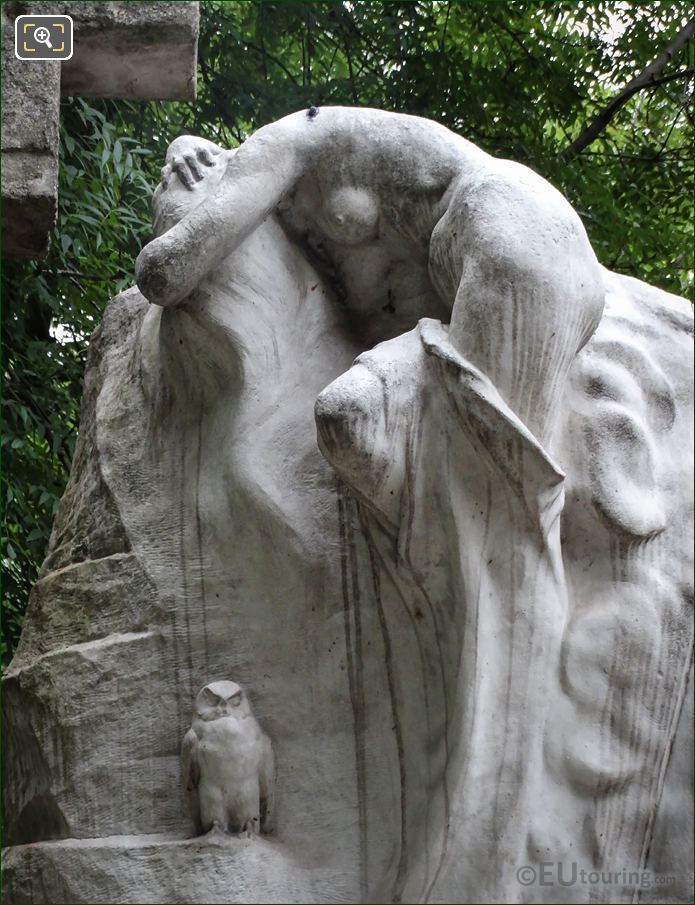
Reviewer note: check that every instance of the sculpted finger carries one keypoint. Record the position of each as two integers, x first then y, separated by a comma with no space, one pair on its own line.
205,157
182,171
194,167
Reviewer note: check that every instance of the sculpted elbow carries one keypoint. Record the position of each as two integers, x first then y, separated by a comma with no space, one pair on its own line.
157,274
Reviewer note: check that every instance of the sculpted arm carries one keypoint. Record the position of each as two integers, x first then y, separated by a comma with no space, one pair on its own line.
254,180
390,157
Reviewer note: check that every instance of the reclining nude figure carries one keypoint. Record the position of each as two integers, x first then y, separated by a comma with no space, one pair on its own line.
455,443
408,218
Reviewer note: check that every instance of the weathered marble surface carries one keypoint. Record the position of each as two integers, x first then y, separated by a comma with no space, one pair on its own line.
468,636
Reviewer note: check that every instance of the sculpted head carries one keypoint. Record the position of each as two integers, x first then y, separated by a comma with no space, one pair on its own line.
220,700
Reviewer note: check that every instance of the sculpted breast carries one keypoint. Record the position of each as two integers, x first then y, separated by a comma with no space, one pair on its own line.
350,215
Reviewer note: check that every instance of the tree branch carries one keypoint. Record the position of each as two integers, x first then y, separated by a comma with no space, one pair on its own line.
648,78
679,74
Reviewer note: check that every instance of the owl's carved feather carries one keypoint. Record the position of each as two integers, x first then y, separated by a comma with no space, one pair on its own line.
190,770
266,779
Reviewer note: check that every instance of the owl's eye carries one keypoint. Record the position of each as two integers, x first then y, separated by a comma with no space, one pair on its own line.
236,700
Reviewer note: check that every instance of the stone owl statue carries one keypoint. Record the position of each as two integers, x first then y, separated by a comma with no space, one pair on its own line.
227,763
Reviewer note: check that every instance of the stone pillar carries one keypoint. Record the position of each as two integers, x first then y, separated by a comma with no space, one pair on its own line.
30,113
135,51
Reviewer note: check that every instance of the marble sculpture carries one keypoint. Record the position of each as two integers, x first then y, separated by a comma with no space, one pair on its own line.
378,436
227,764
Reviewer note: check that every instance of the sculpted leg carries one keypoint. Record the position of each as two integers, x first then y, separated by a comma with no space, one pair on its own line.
251,827
528,289
244,813
213,815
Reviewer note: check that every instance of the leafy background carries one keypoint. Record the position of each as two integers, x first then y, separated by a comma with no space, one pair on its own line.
521,79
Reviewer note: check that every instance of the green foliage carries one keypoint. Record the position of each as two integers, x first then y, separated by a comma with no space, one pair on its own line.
102,222
522,79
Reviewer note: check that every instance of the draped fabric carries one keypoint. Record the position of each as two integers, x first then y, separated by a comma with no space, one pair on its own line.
461,510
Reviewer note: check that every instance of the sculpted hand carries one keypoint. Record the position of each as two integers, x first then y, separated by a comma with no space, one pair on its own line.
188,157
193,168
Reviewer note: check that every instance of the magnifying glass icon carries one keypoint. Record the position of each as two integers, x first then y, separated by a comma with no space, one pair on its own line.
43,36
